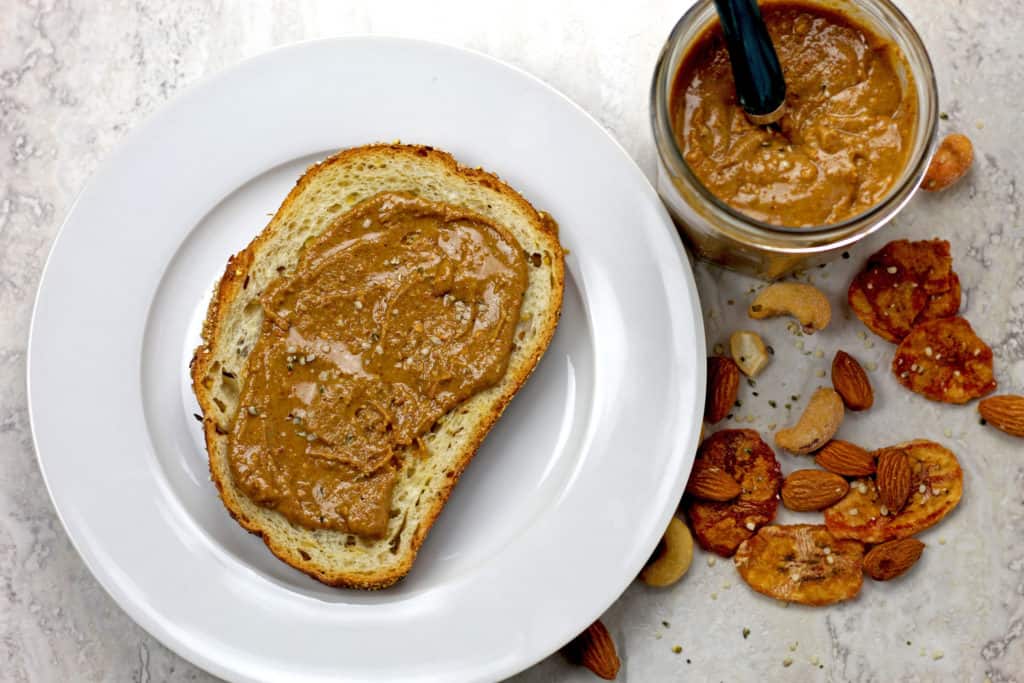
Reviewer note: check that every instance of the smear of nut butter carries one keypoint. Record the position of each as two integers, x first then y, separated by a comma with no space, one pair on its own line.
399,311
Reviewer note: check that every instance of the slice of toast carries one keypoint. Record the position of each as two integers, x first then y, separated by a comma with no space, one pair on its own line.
234,319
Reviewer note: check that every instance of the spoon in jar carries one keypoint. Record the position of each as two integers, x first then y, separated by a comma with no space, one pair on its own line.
760,86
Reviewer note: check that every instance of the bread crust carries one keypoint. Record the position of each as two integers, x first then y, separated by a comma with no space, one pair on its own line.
234,281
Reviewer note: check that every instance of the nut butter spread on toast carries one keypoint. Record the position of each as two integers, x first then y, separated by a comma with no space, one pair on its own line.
398,312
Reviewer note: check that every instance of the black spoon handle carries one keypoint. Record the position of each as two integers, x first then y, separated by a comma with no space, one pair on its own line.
755,66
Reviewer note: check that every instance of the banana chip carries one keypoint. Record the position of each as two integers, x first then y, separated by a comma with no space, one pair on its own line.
801,563
898,284
944,360
936,488
721,527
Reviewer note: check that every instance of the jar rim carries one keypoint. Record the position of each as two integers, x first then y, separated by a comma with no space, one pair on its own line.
897,29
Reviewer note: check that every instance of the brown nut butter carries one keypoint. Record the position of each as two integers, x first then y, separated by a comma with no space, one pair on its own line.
399,311
845,137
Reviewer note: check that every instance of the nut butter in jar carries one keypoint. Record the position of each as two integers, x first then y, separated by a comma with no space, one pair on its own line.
851,149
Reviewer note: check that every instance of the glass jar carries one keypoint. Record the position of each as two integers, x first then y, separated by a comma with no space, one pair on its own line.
719,233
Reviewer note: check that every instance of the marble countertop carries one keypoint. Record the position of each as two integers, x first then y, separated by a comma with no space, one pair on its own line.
75,77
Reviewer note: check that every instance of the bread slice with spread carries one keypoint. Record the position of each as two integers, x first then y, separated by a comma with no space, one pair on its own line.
236,318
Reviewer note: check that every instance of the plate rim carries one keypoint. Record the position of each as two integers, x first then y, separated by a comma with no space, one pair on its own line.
141,615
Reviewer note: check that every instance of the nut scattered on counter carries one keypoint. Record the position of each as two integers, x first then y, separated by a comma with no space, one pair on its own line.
1005,413
811,490
818,424
802,301
950,163
723,386
892,559
595,649
851,382
845,458
749,352
671,558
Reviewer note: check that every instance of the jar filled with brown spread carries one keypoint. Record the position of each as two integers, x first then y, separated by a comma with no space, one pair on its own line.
851,148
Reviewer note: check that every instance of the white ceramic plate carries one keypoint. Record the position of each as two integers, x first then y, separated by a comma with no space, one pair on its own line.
561,506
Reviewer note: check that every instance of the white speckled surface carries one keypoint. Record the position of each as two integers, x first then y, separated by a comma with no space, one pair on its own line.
75,77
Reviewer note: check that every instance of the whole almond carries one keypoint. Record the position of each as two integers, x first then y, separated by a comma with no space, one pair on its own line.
723,385
889,560
845,458
595,649
893,478
1004,412
807,490
851,382
709,482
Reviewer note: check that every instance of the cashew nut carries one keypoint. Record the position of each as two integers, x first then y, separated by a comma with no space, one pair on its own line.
951,161
818,424
804,302
672,557
749,352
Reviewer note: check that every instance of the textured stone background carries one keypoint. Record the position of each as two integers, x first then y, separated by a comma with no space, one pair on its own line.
76,77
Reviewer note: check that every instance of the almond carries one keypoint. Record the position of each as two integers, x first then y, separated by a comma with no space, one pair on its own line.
803,301
889,560
595,649
845,458
1004,412
710,482
723,385
851,382
893,478
807,490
